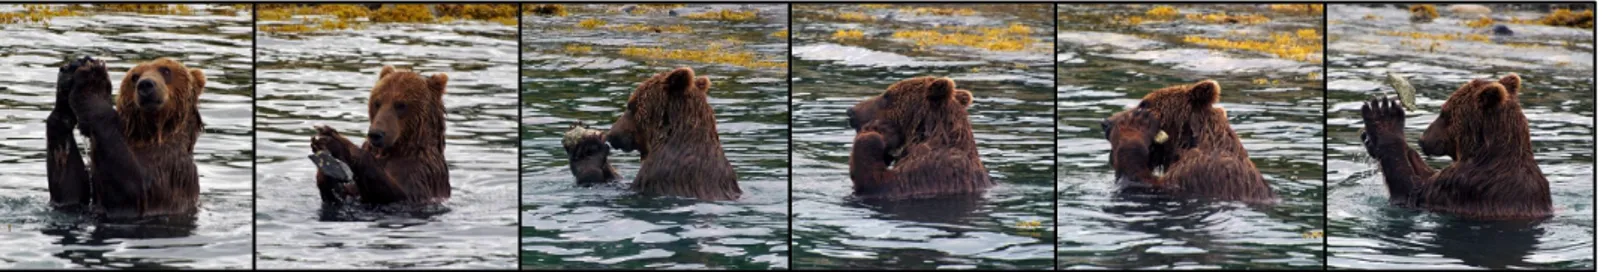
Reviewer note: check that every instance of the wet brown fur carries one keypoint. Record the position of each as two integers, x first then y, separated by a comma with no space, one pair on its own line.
1493,174
1202,157
920,125
669,121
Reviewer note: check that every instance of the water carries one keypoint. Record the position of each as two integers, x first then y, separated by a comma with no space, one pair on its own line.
1557,67
1105,66
324,78
214,41
1011,116
565,226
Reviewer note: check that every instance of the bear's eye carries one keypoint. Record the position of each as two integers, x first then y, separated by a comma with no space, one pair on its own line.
165,71
629,107
1143,104
400,107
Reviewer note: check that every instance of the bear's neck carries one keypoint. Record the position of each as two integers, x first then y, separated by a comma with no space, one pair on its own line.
145,127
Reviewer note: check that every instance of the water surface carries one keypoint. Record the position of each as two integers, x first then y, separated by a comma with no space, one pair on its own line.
212,39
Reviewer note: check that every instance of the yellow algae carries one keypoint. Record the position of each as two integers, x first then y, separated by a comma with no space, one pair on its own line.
1297,8
591,23
403,13
557,10
577,49
1568,18
1423,12
38,14
854,17
147,8
782,34
648,28
874,6
939,11
847,34
1370,17
500,13
1162,12
725,15
1307,33
1282,45
651,8
714,53
1438,37
1481,23
1223,18
1014,37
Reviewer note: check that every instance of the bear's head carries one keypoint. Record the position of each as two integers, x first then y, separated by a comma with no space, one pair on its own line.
916,110
162,86
1481,116
1181,112
1133,134
407,112
670,104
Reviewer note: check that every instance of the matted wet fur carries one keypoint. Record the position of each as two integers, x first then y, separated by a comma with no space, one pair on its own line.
403,160
141,149
1493,174
1201,156
669,121
920,125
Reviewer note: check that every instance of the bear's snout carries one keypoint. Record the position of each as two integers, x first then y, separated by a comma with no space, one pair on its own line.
851,119
149,93
376,137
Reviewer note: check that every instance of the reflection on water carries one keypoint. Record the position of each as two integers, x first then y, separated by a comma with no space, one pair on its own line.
214,39
1556,64
846,53
324,77
576,73
1107,61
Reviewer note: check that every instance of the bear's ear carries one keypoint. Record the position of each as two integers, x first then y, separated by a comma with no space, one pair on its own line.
964,97
1493,95
702,84
680,79
388,69
1512,82
198,80
1204,92
436,83
942,89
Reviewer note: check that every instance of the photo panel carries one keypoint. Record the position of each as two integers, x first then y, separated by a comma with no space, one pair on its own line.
922,136
1188,136
386,136
655,136
1490,109
130,177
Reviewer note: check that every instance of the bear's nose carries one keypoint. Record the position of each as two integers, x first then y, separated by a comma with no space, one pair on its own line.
146,87
375,136
851,118
1104,128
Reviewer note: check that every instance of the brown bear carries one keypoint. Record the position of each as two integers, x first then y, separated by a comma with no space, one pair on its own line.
1493,174
403,160
1179,132
669,121
141,149
920,125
